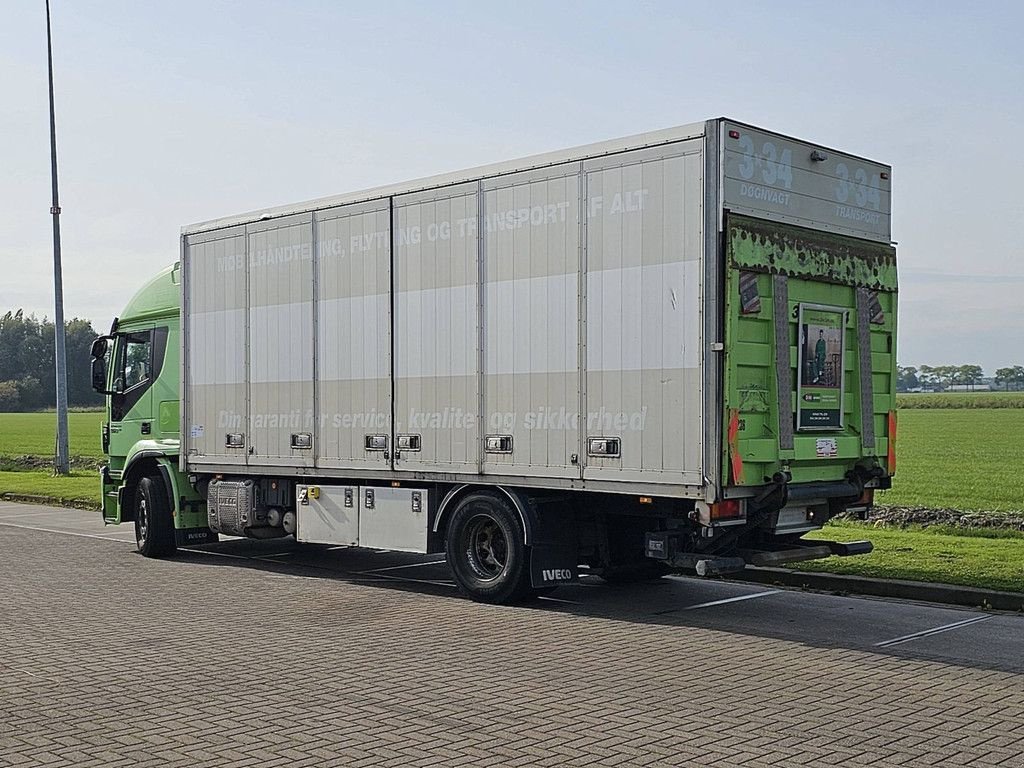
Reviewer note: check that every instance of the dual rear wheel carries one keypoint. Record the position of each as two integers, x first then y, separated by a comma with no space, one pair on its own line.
486,550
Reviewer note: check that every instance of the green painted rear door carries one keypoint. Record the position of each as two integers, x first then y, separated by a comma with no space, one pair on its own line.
768,263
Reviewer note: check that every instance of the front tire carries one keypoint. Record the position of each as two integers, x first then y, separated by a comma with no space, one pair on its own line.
485,550
154,524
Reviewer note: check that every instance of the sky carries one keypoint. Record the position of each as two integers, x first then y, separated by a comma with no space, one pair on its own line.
174,113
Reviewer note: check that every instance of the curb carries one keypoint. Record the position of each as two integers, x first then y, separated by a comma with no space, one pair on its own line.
50,501
949,594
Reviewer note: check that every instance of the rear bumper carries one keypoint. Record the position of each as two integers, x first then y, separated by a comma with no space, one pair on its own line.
659,546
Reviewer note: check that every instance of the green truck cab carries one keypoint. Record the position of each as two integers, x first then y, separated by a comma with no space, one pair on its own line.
137,367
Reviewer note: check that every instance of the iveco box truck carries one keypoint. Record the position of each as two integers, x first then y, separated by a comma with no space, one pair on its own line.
672,351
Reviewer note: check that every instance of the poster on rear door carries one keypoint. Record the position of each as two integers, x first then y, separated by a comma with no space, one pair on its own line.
819,402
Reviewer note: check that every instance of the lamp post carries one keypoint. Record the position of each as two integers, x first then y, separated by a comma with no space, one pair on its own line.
61,461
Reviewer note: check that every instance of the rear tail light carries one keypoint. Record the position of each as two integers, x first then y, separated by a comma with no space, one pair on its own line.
731,509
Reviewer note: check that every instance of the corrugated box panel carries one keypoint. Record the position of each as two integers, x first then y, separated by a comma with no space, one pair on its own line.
215,346
354,334
281,340
643,343
437,331
531,264
544,307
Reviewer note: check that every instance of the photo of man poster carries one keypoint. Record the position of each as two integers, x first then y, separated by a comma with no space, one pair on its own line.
820,385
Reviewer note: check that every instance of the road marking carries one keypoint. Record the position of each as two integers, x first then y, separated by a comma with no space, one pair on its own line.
727,600
403,578
215,554
68,533
558,600
933,631
4,515
399,567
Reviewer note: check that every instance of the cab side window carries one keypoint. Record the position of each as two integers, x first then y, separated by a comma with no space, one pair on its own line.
132,371
137,360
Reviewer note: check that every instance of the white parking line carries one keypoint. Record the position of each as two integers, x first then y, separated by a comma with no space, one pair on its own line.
729,600
558,600
215,554
933,631
5,515
403,578
69,533
407,565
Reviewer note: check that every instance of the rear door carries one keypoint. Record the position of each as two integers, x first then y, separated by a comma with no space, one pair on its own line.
810,367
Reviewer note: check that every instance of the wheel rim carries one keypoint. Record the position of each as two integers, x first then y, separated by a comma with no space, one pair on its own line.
142,521
486,547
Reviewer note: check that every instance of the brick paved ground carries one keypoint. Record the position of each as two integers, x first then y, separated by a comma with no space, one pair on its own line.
110,659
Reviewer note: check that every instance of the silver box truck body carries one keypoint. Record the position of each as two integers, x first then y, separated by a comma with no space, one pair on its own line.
552,325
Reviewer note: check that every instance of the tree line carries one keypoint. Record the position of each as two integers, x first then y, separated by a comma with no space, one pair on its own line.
27,377
945,376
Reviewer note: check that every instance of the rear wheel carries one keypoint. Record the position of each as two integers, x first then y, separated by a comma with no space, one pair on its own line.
154,524
485,550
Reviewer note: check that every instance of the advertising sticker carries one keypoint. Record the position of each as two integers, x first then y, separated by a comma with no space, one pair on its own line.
819,402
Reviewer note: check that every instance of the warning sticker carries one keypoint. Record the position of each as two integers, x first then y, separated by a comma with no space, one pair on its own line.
826,447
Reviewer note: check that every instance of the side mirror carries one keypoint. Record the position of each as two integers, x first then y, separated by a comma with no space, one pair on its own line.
99,347
99,374
99,352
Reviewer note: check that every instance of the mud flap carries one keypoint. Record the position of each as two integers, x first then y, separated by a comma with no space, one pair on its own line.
553,564
185,537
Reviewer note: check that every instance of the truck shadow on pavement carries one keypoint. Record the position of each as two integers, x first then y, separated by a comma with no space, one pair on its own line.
991,641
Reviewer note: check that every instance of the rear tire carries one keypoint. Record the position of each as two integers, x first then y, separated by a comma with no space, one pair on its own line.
485,550
154,523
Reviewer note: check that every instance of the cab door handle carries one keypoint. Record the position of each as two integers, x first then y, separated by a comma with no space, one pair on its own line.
146,427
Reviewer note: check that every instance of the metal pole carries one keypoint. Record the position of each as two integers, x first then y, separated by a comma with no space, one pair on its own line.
61,460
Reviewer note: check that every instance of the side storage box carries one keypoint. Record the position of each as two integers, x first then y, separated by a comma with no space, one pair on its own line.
394,518
327,514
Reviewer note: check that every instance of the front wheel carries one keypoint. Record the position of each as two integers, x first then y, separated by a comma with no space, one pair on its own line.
154,524
486,551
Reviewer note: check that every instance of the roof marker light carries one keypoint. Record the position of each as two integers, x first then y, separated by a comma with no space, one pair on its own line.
734,134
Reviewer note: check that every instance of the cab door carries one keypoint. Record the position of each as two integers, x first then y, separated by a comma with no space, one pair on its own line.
137,359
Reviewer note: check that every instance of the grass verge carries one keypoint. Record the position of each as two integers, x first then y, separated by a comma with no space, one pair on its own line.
984,558
79,489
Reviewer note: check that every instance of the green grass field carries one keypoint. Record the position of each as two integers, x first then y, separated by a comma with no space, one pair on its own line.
34,434
985,558
959,459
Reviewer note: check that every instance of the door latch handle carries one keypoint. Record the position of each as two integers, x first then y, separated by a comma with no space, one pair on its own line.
146,428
